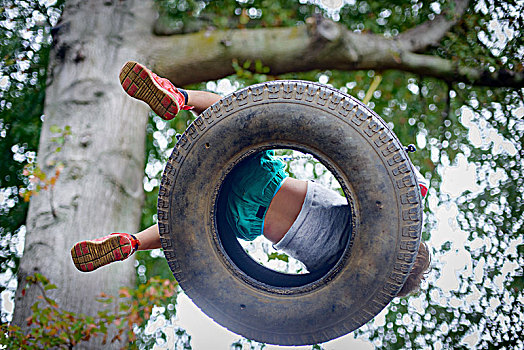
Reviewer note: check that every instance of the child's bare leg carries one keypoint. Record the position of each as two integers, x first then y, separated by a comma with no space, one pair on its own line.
201,100
149,238
165,100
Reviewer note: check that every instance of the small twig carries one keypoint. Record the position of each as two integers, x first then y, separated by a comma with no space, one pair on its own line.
446,111
51,202
374,85
420,83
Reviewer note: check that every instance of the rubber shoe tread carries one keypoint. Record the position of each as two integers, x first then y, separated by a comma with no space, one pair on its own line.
139,82
91,255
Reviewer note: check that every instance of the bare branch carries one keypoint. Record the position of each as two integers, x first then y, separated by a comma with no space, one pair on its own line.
432,66
430,33
320,44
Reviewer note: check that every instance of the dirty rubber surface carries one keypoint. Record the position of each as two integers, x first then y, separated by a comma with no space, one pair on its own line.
376,175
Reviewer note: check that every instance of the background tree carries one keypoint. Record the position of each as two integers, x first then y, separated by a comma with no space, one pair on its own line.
447,74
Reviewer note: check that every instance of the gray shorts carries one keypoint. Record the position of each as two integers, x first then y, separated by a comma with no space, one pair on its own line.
318,234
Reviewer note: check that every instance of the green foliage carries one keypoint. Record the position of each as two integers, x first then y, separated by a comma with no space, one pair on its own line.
37,179
52,326
252,71
247,344
24,48
224,14
278,256
433,114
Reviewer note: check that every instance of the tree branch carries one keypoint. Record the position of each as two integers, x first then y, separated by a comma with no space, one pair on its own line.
320,44
430,33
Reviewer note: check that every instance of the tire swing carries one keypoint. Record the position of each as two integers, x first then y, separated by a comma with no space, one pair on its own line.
366,158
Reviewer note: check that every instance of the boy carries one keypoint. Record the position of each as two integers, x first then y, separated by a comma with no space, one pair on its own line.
302,218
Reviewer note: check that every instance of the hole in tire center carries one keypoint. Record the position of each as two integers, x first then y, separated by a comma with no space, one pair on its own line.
300,166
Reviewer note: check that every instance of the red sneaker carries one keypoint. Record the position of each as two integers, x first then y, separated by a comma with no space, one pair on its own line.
159,93
90,255
422,183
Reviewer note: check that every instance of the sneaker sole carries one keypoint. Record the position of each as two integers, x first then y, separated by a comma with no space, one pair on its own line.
90,255
138,82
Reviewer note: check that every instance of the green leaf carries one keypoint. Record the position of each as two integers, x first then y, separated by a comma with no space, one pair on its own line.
278,256
517,284
50,286
55,129
520,249
42,279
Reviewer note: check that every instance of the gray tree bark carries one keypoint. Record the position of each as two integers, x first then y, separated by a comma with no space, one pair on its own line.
100,189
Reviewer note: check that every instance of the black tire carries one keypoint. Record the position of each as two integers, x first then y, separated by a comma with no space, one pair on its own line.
369,162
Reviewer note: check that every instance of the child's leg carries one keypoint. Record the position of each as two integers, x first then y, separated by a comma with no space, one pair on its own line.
160,94
91,254
166,100
201,100
149,238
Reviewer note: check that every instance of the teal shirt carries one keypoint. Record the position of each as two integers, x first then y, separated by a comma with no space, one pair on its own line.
252,185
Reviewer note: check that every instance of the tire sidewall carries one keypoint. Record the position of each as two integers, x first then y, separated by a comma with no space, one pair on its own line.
374,171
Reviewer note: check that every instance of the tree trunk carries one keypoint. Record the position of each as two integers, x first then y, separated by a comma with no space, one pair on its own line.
100,188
